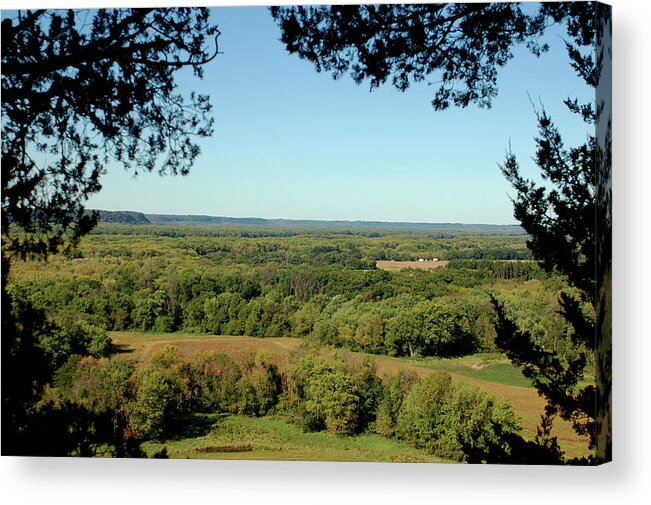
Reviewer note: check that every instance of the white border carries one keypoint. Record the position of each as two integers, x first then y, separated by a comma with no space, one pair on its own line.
34,480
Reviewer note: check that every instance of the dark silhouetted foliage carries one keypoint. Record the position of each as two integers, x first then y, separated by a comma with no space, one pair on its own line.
83,91
79,89
464,43
561,216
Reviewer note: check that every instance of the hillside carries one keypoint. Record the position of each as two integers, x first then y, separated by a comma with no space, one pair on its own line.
129,217
122,217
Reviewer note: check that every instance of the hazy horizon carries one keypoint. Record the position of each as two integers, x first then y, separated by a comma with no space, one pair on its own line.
275,218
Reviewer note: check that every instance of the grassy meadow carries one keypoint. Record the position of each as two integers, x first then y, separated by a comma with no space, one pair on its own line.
228,436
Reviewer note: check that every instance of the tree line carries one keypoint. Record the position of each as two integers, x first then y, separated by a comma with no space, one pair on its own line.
116,406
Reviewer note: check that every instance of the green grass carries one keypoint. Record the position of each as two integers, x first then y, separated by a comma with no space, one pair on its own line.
490,367
225,436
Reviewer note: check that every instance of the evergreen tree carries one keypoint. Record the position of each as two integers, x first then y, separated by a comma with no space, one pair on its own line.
464,45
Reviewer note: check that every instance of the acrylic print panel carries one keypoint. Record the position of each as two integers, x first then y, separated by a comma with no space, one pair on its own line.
383,233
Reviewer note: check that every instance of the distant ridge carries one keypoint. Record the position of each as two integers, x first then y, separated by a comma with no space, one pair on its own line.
508,229
122,216
132,217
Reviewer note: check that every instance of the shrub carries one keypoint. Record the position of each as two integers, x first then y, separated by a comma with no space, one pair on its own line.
479,427
457,422
98,343
395,390
100,385
259,387
163,395
85,414
214,379
332,396
370,390
421,419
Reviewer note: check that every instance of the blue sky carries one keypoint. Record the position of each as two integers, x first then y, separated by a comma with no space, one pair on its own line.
292,143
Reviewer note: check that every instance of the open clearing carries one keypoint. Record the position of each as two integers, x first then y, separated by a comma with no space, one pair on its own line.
226,436
491,372
142,346
394,266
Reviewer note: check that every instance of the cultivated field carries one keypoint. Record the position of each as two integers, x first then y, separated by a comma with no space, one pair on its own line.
393,266
143,346
491,372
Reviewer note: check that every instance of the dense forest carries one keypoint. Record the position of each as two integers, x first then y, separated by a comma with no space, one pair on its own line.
271,283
